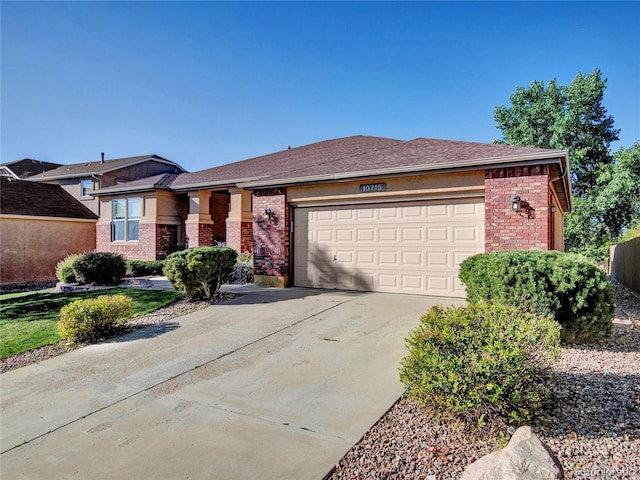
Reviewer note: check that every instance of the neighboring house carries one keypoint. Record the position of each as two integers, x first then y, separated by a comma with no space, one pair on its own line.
40,224
27,167
80,179
362,213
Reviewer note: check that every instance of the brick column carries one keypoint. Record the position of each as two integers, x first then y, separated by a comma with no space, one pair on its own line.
239,224
199,227
506,229
271,238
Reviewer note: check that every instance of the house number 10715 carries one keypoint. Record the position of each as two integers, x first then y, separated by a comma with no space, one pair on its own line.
373,187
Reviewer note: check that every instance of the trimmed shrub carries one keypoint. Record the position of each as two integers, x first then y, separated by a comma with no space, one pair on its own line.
199,272
93,319
243,269
64,268
141,268
566,286
481,362
104,268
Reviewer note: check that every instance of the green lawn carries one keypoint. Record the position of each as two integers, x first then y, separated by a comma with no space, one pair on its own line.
28,320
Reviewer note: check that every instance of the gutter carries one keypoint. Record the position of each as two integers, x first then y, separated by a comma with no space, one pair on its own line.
521,160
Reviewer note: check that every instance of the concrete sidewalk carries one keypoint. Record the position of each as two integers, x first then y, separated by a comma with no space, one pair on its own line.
278,383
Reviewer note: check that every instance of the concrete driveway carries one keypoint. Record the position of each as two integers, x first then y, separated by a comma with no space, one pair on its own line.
278,383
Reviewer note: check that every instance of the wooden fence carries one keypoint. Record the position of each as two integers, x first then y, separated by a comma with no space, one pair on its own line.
624,263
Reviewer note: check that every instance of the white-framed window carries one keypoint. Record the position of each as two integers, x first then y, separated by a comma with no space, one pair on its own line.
86,185
125,215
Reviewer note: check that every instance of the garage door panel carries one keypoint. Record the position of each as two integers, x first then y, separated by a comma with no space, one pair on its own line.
345,235
412,247
388,234
366,234
465,234
412,259
438,234
412,234
438,259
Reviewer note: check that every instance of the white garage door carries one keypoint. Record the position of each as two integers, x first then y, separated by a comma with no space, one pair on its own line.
413,247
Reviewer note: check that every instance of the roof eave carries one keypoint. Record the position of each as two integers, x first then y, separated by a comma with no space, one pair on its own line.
211,185
519,160
145,189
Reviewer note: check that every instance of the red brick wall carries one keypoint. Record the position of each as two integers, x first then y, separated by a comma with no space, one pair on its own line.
271,238
166,240
199,235
506,229
240,236
143,249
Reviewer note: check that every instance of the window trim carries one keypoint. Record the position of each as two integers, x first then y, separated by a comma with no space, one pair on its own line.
82,188
126,220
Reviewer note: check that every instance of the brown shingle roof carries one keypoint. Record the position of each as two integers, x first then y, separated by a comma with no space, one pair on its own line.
355,157
97,167
421,154
279,163
28,167
18,197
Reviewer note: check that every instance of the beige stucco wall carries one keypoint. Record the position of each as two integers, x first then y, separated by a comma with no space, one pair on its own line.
409,187
31,247
558,228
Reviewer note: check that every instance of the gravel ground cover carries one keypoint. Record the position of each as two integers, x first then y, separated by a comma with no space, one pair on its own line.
592,422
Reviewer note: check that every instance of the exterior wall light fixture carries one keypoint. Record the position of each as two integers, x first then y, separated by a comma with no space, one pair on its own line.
267,215
516,204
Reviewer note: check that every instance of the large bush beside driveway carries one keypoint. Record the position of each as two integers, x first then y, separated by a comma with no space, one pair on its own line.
199,272
481,362
568,287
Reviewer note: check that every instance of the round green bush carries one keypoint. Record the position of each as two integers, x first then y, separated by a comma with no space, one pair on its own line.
199,272
482,361
64,268
104,268
93,319
566,286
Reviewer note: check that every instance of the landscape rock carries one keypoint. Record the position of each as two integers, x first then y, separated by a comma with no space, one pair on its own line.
524,458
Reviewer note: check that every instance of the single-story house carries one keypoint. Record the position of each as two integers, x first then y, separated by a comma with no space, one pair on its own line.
80,179
40,224
361,212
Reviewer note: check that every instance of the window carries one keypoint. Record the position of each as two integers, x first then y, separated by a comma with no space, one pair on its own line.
85,186
126,219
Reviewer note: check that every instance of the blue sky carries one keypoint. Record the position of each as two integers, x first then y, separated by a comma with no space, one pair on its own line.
206,83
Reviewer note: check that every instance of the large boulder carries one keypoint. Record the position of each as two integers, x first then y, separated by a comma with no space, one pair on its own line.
524,458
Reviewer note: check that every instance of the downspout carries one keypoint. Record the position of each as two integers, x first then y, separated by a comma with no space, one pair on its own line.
563,175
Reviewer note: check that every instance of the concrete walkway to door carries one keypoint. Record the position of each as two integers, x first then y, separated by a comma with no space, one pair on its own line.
278,383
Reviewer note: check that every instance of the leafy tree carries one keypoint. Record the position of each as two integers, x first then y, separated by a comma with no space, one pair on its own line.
610,210
565,118
573,118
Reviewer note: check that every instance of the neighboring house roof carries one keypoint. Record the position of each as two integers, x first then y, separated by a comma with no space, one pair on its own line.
19,197
99,167
27,167
157,182
360,156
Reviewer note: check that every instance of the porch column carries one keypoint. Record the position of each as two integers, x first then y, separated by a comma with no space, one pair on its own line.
240,221
199,226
